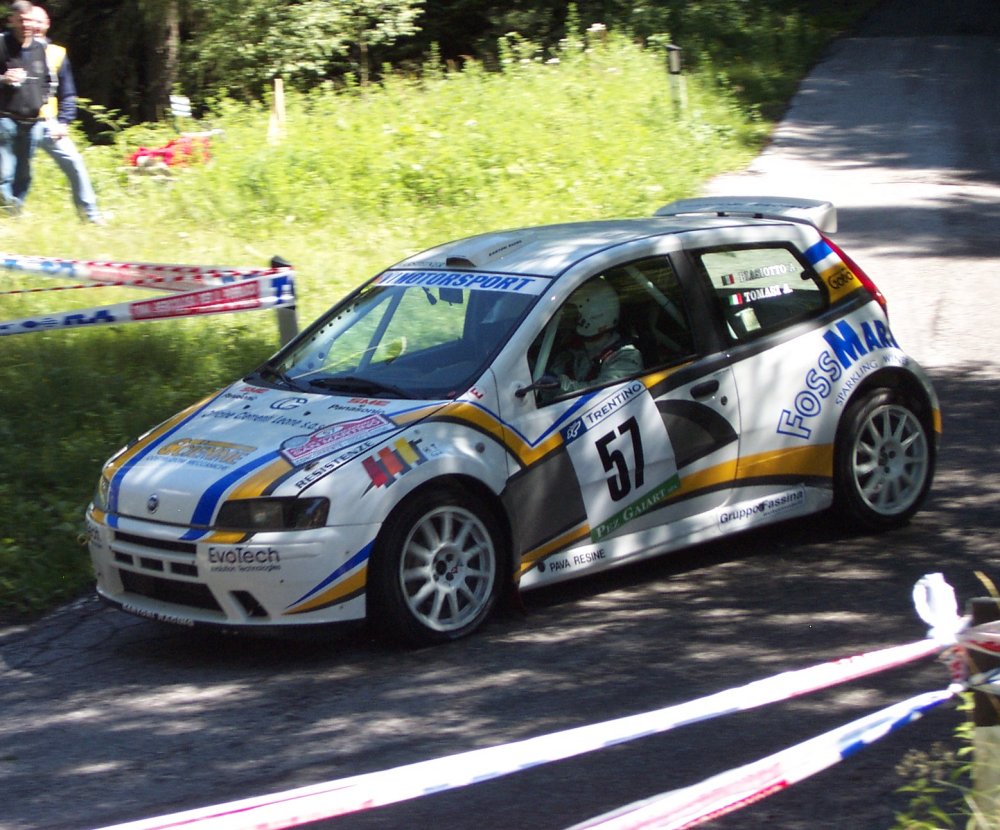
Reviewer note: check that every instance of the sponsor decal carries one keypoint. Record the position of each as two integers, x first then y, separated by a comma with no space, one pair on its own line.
227,415
376,402
244,393
298,423
206,453
636,509
315,471
577,560
588,556
754,294
756,274
838,278
391,462
451,279
156,615
302,449
838,371
749,513
357,406
602,411
239,559
289,403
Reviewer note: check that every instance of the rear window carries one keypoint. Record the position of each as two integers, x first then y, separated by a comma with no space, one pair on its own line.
761,289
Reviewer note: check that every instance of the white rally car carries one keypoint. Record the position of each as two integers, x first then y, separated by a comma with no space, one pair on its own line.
523,407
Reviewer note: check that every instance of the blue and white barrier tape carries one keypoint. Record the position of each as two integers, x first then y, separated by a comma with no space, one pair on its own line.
736,788
362,792
269,290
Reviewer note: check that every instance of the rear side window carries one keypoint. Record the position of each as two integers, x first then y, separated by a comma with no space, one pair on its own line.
761,289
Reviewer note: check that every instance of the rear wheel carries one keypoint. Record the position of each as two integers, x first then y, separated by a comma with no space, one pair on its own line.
436,568
884,461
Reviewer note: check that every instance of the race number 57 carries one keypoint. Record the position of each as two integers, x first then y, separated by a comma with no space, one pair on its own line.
622,458
620,483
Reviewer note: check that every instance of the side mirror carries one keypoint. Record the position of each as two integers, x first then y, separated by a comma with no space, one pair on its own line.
546,383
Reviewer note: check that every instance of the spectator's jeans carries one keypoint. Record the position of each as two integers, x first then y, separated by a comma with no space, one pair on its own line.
18,140
65,154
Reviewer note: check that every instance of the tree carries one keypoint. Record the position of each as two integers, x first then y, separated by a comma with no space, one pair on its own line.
164,31
304,42
378,23
130,55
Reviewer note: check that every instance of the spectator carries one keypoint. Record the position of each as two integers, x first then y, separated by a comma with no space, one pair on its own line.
58,112
24,87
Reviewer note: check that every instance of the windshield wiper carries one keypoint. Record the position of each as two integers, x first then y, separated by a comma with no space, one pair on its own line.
272,373
356,384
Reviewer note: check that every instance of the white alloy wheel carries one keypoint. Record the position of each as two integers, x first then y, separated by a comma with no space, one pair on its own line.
448,569
890,460
437,567
885,461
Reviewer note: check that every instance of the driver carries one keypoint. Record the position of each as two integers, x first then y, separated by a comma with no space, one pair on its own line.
598,352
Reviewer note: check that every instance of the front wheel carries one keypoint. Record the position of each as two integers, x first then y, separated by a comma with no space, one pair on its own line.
884,461
436,569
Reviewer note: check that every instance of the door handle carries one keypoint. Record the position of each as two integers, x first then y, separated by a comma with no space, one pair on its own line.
705,390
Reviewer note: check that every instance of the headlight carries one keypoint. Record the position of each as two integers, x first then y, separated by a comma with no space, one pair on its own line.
102,493
273,514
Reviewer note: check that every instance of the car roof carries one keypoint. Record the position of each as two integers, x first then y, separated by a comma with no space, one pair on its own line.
548,250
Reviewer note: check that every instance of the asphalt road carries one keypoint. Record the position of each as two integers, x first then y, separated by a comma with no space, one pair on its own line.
106,718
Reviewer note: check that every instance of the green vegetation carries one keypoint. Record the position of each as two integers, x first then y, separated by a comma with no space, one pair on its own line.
939,783
207,48
358,178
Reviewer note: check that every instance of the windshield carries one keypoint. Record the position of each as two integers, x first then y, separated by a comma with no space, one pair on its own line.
422,335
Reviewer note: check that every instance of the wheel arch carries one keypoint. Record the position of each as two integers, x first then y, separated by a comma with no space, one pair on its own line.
909,385
920,400
466,485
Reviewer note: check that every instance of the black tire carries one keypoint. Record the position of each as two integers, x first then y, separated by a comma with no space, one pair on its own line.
436,569
884,462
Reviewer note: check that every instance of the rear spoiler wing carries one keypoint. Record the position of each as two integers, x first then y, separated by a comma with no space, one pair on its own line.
820,214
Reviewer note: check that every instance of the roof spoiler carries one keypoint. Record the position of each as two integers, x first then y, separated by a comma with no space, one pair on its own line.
820,214
478,253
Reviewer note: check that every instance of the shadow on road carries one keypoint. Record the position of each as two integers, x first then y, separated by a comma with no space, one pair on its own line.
126,699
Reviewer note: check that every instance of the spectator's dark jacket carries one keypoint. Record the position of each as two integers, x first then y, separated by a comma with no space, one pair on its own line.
23,102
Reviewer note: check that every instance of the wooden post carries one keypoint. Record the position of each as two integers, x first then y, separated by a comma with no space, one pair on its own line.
276,126
986,723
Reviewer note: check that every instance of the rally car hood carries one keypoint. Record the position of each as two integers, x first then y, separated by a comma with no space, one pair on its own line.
246,442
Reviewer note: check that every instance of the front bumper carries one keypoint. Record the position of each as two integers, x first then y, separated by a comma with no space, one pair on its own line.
171,574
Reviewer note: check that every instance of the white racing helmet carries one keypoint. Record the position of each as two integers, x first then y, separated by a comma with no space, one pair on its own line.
597,305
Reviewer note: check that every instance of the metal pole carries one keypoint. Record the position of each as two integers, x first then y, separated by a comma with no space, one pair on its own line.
288,321
986,723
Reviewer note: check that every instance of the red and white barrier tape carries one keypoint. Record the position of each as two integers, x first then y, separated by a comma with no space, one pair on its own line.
173,283
984,638
740,787
275,289
180,277
348,795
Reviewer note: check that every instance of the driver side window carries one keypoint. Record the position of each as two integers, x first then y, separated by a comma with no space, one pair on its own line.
627,320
